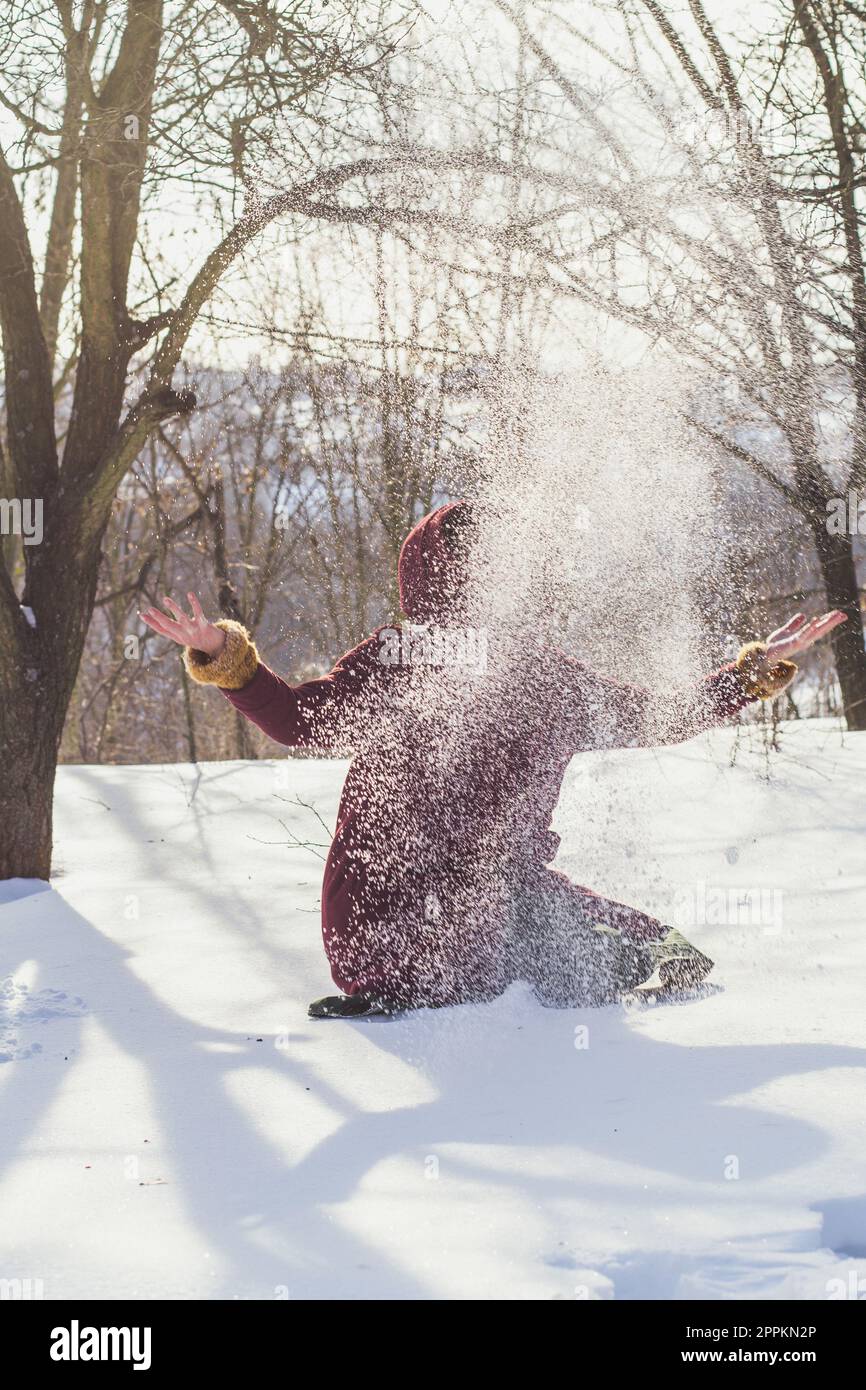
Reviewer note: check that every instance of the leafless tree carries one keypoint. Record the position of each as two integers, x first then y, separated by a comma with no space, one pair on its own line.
230,115
732,227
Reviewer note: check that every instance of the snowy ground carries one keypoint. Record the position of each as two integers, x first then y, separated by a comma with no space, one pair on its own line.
174,1126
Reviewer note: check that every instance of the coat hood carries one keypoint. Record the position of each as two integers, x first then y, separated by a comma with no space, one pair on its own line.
432,568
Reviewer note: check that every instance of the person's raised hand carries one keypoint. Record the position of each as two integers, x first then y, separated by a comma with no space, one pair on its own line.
195,631
800,633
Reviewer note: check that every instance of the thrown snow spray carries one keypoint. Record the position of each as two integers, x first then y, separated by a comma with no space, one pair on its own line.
576,557
596,520
597,535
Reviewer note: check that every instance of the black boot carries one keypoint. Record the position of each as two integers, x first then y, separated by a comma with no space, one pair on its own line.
347,1006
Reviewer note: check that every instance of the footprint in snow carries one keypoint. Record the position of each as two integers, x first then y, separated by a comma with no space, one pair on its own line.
22,1008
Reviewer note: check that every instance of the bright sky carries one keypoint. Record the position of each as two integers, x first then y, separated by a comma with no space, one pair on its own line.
469,41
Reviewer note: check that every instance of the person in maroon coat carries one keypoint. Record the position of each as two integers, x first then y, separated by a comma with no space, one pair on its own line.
437,887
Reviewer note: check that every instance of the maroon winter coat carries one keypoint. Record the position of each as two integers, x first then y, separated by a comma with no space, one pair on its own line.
445,814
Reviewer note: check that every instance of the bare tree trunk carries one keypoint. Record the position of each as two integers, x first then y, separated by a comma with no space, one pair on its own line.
33,704
30,754
188,716
836,557
243,743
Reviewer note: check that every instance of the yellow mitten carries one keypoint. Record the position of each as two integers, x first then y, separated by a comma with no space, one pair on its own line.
757,680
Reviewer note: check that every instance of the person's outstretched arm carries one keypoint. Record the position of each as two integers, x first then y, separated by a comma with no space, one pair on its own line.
606,713
319,713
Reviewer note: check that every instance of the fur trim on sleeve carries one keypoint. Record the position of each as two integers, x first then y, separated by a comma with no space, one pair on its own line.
233,668
757,683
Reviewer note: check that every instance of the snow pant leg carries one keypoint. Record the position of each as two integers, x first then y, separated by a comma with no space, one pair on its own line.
574,947
636,925
432,939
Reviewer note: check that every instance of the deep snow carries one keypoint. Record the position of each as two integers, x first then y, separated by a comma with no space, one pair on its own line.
173,1126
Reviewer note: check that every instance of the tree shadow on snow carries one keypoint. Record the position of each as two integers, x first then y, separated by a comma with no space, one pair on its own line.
235,1186
508,1080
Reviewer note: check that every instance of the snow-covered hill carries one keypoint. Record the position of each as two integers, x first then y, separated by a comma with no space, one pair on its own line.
174,1126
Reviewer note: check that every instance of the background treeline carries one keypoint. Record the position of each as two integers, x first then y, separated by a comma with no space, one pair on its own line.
283,501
